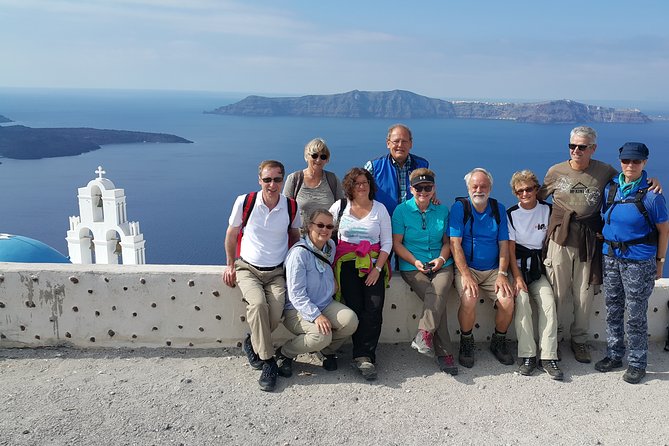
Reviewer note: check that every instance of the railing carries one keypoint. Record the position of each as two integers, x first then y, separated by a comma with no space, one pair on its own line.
190,306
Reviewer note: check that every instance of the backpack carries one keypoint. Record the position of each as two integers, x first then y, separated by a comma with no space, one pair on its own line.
637,200
342,206
329,177
247,207
467,215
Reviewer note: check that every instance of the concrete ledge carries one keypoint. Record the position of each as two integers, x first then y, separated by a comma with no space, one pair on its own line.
190,306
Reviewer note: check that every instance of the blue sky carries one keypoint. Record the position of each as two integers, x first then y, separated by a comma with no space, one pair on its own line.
531,50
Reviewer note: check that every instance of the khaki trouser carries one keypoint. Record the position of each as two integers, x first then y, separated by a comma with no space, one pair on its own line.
265,294
433,293
542,293
569,276
309,339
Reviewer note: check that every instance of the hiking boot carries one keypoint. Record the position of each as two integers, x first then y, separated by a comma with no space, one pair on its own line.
527,366
634,374
284,363
251,355
550,366
268,376
423,342
447,364
365,367
500,348
466,356
330,362
581,352
607,364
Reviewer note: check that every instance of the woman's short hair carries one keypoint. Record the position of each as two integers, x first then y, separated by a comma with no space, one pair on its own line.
313,215
348,183
421,171
316,145
523,176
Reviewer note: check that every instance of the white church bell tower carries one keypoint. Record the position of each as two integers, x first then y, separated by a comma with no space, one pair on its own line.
102,233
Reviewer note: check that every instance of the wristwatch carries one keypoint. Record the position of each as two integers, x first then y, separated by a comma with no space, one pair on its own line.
379,269
504,273
659,259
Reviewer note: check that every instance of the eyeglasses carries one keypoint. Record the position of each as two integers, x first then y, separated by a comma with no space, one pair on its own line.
423,188
422,216
269,180
397,142
322,156
526,190
580,147
361,183
631,161
323,225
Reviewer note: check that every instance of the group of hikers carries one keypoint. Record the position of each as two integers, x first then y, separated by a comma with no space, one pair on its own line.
316,253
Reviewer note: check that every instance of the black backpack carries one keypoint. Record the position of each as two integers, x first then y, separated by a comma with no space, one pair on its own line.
637,200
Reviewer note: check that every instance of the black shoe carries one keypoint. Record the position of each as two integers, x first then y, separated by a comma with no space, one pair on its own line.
634,374
500,348
466,356
581,352
268,376
330,363
527,366
254,359
550,366
607,364
284,363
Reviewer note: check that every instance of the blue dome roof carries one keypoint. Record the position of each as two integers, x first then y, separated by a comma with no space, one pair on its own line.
19,249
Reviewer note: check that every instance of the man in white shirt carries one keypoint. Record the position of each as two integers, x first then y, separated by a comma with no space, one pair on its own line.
272,225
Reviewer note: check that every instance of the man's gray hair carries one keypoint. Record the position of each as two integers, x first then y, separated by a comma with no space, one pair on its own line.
475,170
584,132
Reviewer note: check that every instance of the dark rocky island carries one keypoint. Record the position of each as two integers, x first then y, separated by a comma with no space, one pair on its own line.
4,119
399,104
21,142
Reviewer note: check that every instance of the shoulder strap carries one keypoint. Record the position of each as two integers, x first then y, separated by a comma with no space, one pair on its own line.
495,210
298,183
320,257
613,191
467,208
342,206
508,214
292,211
638,201
249,202
332,182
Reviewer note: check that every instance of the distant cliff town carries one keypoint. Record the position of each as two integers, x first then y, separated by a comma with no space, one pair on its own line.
399,104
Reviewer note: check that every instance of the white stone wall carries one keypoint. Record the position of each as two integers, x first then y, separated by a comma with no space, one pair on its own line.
190,306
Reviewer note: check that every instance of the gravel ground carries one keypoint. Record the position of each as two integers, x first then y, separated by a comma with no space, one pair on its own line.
60,396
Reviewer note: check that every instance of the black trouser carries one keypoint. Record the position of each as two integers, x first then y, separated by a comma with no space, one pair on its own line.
367,303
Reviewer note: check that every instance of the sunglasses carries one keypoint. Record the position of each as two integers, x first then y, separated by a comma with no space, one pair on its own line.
580,147
631,161
323,225
423,188
526,190
322,156
269,180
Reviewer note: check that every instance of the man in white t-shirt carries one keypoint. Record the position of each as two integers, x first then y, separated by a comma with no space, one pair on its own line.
272,225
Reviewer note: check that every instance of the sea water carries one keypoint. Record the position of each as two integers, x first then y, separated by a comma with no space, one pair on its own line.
182,193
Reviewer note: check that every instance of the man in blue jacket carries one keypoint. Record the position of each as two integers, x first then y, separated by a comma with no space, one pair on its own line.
391,172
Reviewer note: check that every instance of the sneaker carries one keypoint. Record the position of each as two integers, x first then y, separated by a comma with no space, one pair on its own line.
423,342
466,356
581,352
268,376
500,348
284,363
527,366
550,366
447,364
251,355
634,374
365,366
607,364
330,362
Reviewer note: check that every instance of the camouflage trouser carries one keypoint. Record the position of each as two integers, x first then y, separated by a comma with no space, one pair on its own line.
627,285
